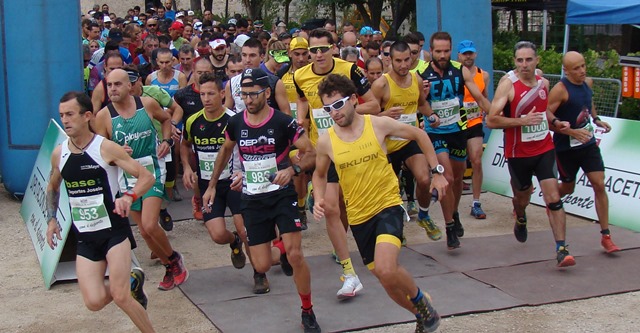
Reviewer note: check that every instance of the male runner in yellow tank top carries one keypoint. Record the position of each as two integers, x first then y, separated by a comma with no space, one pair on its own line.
400,95
357,145
306,80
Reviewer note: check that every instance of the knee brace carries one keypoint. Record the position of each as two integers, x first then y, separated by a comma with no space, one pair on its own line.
555,205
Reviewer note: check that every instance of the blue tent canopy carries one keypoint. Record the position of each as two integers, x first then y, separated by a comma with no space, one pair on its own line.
603,12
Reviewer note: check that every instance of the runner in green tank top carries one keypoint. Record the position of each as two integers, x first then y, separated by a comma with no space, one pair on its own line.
127,121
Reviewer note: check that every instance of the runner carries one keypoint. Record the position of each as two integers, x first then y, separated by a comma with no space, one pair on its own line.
520,108
127,121
89,166
357,146
447,80
401,95
473,115
306,80
204,132
264,137
576,147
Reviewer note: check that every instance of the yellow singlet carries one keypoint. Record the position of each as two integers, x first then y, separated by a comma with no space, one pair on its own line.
308,81
408,99
292,95
366,176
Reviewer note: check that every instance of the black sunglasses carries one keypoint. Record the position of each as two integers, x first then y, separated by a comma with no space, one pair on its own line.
323,49
386,54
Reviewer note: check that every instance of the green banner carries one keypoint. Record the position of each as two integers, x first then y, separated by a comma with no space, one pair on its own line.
622,178
33,209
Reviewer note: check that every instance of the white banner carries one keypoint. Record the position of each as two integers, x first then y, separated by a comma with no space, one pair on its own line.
622,174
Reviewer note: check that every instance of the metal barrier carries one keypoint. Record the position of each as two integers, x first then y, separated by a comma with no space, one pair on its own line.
606,92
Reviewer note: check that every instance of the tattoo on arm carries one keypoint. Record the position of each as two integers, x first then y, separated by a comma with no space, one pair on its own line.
53,197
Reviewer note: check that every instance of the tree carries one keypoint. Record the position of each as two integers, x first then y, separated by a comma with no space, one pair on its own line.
254,7
196,5
208,4
401,10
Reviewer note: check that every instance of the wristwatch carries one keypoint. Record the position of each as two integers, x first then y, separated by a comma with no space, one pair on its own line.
169,141
132,194
296,169
439,169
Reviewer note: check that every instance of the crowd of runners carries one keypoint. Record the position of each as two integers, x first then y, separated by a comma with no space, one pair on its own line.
338,121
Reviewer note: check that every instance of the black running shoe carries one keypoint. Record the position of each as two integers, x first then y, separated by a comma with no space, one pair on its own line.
303,218
458,225
166,222
452,237
137,284
285,265
238,258
429,318
564,258
261,283
309,322
520,228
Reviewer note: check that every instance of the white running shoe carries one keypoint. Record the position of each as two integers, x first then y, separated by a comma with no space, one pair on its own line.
350,286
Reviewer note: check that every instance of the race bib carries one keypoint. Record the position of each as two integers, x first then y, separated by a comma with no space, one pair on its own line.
535,132
257,175
409,119
573,142
147,163
206,162
473,110
448,111
89,213
323,120
294,110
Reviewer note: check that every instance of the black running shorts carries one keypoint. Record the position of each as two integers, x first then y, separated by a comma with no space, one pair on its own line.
569,161
521,169
225,197
261,216
388,222
96,250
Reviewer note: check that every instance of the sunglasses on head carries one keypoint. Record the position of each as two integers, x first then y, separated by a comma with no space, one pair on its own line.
321,48
337,105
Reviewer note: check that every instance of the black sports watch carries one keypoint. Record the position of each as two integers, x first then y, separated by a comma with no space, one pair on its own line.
296,169
439,169
169,141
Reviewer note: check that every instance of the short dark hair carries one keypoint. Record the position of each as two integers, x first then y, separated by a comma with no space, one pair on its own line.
83,99
440,35
336,83
411,38
164,50
242,23
210,77
112,55
320,33
187,48
254,43
233,58
372,46
399,46
525,45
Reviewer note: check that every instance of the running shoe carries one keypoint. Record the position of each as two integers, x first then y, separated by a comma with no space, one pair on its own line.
309,200
166,222
429,318
260,283
285,265
452,236
196,204
430,227
309,322
238,258
564,258
167,282
520,227
137,284
350,286
180,273
412,209
176,194
303,218
477,212
608,244
458,225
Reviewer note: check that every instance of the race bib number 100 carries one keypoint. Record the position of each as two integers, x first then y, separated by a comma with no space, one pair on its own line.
323,120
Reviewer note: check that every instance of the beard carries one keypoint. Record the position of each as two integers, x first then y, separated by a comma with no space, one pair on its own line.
440,66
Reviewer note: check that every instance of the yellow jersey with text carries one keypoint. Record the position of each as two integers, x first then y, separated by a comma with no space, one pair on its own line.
408,99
